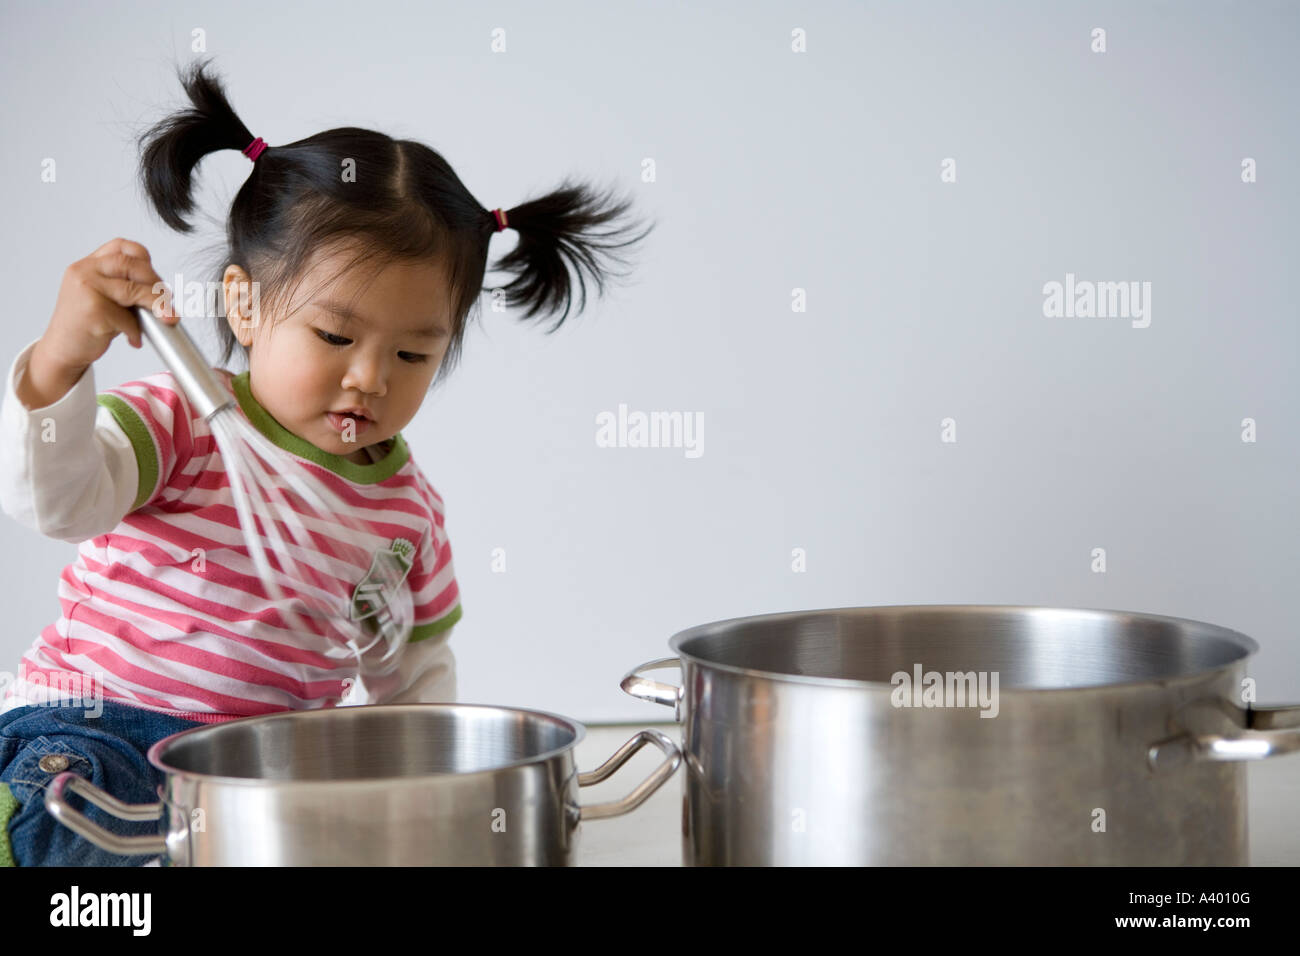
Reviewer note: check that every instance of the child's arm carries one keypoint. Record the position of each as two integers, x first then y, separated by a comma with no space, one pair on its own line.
428,672
64,470
67,470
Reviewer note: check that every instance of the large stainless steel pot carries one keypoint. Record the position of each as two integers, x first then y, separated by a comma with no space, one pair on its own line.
1117,738
406,784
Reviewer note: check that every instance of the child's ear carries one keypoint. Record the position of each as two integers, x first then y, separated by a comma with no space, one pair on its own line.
242,313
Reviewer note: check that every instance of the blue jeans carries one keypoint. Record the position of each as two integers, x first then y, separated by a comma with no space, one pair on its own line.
37,743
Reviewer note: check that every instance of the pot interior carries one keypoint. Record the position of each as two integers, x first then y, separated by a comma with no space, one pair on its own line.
1028,647
369,742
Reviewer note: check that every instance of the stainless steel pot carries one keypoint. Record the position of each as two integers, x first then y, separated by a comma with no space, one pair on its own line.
407,784
1109,738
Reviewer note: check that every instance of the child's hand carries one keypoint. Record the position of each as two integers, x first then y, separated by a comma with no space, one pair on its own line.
95,305
96,300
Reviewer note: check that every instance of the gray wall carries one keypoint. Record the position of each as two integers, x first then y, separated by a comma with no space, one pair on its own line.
776,171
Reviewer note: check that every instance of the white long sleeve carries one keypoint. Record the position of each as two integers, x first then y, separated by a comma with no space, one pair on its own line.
426,675
428,672
67,470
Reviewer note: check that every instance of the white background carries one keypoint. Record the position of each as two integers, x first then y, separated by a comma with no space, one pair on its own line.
775,170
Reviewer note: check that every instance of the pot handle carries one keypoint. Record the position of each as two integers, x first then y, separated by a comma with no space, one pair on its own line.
672,757
1269,732
654,691
58,807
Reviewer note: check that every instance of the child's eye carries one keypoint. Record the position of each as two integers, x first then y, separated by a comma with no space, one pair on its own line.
330,338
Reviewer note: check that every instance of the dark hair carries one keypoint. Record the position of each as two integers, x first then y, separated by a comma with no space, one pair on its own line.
406,203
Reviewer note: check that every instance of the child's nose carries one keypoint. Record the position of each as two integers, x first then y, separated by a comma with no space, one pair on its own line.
367,373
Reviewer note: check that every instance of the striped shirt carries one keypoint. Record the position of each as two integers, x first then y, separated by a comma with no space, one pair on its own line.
163,608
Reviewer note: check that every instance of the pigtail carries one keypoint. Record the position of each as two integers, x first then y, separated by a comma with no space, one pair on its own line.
405,204
173,147
557,231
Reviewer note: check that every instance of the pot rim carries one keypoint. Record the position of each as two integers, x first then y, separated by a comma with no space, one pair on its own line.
155,752
1248,645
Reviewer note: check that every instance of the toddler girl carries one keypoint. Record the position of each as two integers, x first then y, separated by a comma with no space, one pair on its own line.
353,263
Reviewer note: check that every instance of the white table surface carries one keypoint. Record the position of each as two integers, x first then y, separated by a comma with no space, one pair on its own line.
651,834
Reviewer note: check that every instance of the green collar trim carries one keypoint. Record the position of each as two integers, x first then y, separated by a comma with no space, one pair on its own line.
263,421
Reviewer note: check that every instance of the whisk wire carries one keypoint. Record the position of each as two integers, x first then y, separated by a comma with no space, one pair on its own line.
256,484
262,477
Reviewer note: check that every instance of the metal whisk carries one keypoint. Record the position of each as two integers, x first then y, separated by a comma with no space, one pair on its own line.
287,515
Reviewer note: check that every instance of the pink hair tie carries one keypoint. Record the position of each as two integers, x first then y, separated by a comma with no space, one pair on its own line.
254,149
500,215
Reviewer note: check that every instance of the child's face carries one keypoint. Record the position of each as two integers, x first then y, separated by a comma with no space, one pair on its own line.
307,363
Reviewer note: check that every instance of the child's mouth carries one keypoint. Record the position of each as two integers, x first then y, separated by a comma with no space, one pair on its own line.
339,421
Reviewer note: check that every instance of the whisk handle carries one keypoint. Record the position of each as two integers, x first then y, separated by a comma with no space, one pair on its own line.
175,347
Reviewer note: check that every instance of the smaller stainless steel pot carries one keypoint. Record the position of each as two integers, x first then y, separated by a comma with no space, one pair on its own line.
407,784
